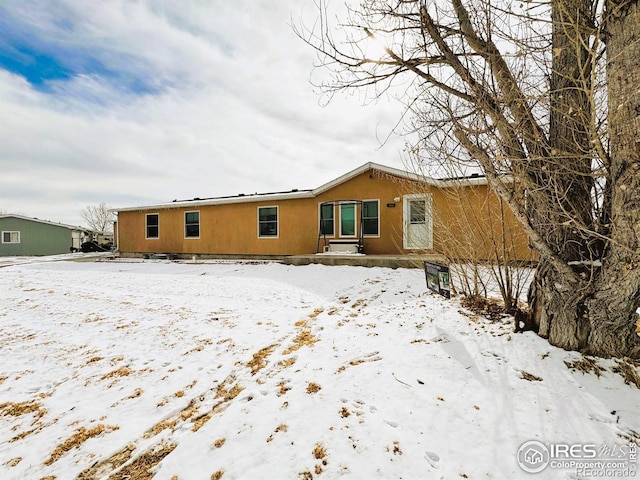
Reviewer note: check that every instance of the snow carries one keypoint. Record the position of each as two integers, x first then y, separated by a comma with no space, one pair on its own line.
258,370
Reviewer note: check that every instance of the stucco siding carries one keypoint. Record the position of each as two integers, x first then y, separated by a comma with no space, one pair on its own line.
232,227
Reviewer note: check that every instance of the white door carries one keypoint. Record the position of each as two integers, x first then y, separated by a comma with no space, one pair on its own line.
76,241
418,231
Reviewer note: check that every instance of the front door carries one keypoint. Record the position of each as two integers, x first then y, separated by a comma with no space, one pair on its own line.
418,231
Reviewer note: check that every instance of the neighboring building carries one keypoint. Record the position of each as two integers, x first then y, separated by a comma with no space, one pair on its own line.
102,238
374,209
21,235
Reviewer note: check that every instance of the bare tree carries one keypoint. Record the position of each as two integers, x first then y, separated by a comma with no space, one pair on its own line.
482,243
479,238
99,217
544,92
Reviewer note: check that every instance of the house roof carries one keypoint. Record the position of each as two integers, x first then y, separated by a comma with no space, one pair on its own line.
47,222
296,193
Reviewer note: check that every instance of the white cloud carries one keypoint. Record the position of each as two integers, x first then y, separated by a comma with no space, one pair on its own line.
189,98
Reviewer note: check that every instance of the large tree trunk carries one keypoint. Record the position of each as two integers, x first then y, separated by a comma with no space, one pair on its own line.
558,307
612,314
612,309
595,310
556,299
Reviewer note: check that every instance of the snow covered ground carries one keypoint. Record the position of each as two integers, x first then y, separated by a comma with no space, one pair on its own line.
232,370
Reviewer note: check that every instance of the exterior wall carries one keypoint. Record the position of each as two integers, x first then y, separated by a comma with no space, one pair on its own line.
232,229
36,238
472,222
224,229
371,186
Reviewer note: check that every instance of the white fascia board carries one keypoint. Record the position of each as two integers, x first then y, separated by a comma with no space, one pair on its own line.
372,166
434,182
396,172
312,193
220,201
460,182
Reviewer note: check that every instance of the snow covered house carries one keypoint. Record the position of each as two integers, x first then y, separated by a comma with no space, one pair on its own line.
374,209
31,236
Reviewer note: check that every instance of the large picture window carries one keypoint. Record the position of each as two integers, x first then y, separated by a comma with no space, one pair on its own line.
267,222
153,225
10,237
327,219
192,224
371,217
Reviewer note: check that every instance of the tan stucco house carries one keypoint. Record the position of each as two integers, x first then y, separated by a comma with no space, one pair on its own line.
374,209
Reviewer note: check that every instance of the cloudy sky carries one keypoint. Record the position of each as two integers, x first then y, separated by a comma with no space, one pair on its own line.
135,102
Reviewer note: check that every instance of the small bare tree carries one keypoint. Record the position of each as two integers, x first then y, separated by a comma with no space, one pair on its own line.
482,242
99,218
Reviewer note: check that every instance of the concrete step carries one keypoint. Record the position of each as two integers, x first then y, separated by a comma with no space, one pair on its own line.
389,261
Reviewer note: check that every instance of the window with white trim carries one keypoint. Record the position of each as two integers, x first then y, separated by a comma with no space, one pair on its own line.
153,225
192,224
327,225
268,222
371,217
10,237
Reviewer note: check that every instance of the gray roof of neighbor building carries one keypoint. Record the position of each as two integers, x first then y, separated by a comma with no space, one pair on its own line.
47,222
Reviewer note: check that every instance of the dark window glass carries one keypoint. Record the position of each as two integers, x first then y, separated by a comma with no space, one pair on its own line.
370,217
10,237
326,223
152,225
192,224
268,221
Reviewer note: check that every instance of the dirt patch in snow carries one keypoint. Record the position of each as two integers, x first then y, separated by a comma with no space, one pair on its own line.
586,365
74,441
228,389
259,360
143,467
305,337
529,376
16,409
628,369
13,461
313,387
99,470
19,409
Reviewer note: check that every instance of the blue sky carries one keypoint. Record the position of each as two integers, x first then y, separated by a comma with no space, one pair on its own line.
138,102
45,66
48,52
36,66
